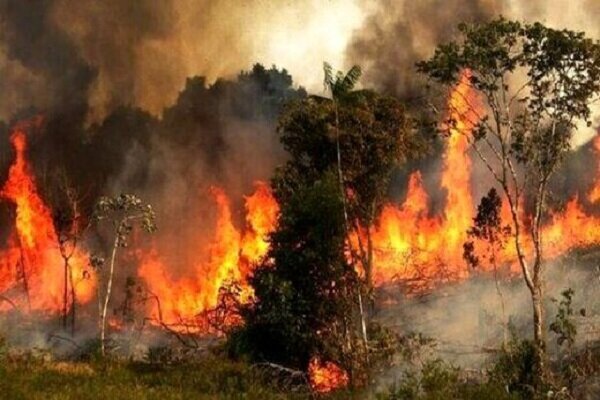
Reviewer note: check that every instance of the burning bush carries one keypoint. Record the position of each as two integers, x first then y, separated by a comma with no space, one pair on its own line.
305,290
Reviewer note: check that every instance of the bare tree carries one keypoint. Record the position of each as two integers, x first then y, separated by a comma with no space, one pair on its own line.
123,212
70,225
533,85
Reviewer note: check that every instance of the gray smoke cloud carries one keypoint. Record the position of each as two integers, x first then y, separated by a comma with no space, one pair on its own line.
139,53
397,34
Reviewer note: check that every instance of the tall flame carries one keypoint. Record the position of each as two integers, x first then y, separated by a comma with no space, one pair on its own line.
231,256
594,194
411,245
31,259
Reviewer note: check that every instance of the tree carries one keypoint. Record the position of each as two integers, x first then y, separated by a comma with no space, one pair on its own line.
70,227
123,212
361,135
492,236
534,84
305,289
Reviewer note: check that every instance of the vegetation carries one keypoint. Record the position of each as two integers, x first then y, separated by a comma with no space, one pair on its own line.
534,83
309,293
123,212
362,136
208,379
312,294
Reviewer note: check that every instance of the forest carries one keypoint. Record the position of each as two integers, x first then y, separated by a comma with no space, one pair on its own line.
425,227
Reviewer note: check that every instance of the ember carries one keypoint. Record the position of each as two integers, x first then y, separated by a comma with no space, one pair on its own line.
326,376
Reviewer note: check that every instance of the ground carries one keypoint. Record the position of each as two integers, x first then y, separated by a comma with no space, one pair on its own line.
208,379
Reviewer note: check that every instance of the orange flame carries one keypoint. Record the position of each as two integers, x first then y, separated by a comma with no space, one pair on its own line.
325,377
594,194
32,258
231,256
411,245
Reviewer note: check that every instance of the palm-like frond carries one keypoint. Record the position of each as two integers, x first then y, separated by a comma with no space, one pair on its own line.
328,80
350,79
340,84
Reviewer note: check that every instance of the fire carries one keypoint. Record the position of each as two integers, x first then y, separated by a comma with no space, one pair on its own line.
594,194
414,247
326,376
31,259
231,255
261,218
409,243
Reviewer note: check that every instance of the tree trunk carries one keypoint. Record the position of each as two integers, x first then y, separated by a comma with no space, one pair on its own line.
369,263
107,294
534,284
65,294
73,301
538,334
537,295
501,298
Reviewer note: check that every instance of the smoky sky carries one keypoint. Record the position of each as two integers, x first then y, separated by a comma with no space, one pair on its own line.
400,33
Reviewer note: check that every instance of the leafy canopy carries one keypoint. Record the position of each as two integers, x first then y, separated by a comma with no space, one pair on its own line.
536,83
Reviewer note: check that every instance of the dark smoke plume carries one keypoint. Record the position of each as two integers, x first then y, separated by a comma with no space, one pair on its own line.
400,33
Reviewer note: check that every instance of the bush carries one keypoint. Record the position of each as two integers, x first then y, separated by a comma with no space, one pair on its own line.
514,368
305,291
438,380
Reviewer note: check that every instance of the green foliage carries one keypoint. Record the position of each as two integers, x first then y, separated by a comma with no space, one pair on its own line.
563,326
212,378
487,227
122,211
514,368
340,84
375,136
520,133
562,70
305,291
440,381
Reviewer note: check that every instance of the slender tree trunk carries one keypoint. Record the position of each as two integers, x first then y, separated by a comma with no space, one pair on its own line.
73,301
339,166
538,333
65,294
346,222
534,284
107,294
537,295
501,298
24,277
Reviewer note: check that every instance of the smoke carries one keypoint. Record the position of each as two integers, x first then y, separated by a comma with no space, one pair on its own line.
468,320
40,66
397,34
111,78
116,53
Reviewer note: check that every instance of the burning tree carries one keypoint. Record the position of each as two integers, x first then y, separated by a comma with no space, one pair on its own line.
362,136
123,211
70,226
305,288
534,84
343,151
